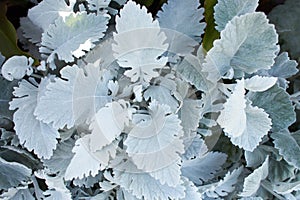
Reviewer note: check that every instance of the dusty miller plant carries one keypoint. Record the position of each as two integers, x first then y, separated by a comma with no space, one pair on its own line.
126,105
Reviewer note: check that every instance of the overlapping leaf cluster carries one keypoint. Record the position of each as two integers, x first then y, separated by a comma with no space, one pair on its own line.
124,105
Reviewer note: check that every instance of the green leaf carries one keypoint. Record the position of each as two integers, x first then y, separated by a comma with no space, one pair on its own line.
8,35
276,102
288,147
211,34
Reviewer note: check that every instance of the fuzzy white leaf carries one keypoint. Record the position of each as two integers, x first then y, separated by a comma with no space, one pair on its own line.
275,100
137,90
256,157
258,125
46,12
168,175
56,194
89,181
244,124
225,10
283,66
176,13
74,98
45,134
90,162
286,188
97,5
155,142
134,50
72,36
108,124
61,157
133,17
56,186
190,115
259,83
251,198
161,94
233,117
104,48
194,147
17,67
287,147
173,18
226,185
252,182
13,174
19,193
238,48
142,185
191,70
202,169
191,191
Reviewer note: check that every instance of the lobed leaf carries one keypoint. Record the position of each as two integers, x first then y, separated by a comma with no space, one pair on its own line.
226,185
238,50
90,162
133,50
108,124
74,98
191,70
181,36
203,168
288,147
25,102
155,144
226,10
46,12
141,185
71,37
276,102
243,123
61,157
